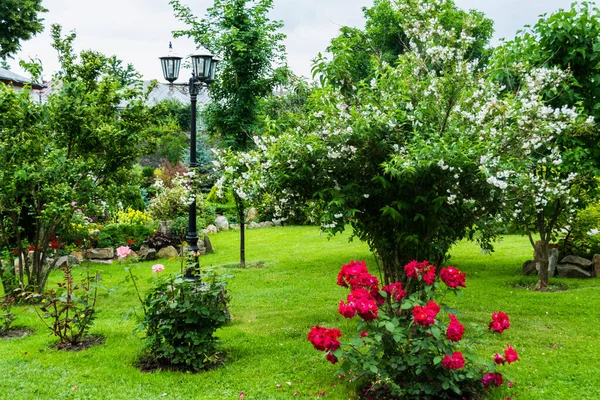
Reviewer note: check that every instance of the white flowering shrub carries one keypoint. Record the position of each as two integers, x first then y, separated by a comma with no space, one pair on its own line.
429,152
172,202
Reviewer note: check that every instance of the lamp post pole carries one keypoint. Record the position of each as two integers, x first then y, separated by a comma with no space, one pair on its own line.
204,66
192,236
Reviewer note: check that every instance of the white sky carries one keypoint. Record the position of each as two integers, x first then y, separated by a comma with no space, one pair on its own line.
138,31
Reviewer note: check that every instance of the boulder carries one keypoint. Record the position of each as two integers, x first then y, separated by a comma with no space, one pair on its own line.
107,253
575,260
207,245
253,225
251,214
268,224
73,260
596,270
277,222
552,261
210,229
222,223
77,254
145,253
529,268
164,227
572,271
100,261
168,252
62,262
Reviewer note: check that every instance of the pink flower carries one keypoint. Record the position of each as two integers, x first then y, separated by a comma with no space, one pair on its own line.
455,329
123,251
350,271
499,322
510,354
158,268
73,203
456,361
346,310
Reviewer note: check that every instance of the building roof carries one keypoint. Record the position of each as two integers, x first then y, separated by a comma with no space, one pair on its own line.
10,78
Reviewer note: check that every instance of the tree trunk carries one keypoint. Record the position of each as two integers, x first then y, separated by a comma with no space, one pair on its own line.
541,257
240,209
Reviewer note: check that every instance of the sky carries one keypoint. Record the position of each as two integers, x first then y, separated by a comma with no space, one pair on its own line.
139,31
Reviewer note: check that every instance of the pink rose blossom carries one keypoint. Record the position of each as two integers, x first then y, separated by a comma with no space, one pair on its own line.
123,251
158,268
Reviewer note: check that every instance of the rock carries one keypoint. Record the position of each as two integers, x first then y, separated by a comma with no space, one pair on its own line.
210,229
253,225
575,260
268,224
164,227
596,270
552,261
168,252
235,227
77,254
107,253
147,254
99,261
251,214
62,262
221,223
277,222
73,260
208,245
132,254
572,271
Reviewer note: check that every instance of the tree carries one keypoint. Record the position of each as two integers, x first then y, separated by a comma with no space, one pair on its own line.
567,40
58,156
418,159
19,20
355,52
127,75
249,43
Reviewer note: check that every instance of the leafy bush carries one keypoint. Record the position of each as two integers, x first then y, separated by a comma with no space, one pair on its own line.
115,235
181,319
159,240
71,308
582,237
403,348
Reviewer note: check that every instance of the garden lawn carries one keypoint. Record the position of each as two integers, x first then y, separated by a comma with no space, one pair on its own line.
290,288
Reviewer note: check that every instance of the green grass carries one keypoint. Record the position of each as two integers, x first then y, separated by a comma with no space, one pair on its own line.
289,288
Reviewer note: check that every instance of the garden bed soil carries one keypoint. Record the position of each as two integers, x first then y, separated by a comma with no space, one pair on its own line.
16,333
83,344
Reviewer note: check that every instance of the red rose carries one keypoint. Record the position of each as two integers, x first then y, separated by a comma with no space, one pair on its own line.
364,334
331,358
410,269
363,303
423,269
425,316
498,359
395,291
455,329
54,244
350,271
16,251
324,339
510,354
452,277
31,247
456,361
492,379
499,322
346,310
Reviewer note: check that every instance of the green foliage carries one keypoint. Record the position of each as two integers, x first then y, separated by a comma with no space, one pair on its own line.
250,45
71,307
67,151
19,20
181,320
582,236
126,75
356,54
116,235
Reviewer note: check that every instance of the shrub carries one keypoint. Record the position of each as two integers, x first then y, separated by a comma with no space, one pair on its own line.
133,217
115,235
71,308
582,238
159,240
405,347
181,318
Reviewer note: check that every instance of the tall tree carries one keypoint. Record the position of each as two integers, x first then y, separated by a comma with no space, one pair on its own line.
241,32
568,40
19,20
57,156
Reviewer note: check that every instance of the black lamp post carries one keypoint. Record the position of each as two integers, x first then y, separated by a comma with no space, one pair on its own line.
204,66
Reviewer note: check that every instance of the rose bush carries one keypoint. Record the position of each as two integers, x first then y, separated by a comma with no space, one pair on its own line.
405,346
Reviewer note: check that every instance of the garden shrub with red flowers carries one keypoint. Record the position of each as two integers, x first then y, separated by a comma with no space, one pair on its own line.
409,344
